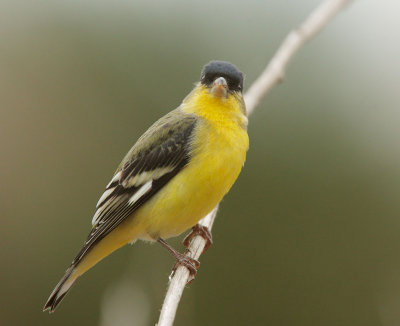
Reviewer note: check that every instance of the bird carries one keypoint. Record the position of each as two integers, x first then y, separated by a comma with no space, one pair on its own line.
173,176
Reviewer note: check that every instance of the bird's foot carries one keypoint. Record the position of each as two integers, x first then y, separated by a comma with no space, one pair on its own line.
191,264
201,230
182,260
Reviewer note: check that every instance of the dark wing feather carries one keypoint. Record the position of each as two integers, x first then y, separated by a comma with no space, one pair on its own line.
151,163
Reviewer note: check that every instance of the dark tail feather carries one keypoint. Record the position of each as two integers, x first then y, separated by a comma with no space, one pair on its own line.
67,280
60,290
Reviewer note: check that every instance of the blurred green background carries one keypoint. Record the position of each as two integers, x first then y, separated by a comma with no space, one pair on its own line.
309,235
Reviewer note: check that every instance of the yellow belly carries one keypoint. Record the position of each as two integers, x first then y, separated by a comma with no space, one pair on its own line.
198,188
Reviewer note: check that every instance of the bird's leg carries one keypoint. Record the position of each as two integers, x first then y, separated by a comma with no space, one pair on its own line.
201,230
191,264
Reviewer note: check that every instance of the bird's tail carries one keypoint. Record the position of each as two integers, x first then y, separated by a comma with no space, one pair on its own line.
61,289
90,254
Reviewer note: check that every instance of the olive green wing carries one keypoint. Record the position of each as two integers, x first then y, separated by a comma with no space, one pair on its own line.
162,151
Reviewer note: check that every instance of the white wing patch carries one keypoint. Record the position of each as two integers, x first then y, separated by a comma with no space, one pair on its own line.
96,216
115,178
143,177
100,210
142,191
111,201
104,196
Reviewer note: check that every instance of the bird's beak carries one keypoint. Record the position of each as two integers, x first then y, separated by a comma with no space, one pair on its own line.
219,87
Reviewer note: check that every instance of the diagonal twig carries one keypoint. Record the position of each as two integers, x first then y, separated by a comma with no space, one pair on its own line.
272,74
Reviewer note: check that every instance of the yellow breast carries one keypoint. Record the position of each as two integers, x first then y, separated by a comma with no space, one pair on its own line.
219,145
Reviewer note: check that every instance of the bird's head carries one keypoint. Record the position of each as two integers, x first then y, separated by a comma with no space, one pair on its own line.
222,79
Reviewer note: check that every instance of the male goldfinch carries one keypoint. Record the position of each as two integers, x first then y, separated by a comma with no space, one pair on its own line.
175,174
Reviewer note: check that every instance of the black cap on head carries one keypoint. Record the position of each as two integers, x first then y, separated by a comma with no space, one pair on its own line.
215,69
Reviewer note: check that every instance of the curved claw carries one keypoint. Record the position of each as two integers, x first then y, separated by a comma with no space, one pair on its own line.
191,264
201,230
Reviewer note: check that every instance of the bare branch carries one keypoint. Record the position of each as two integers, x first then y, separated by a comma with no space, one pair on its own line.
182,275
275,70
272,74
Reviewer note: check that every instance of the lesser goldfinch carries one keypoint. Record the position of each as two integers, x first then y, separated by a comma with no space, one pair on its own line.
174,175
